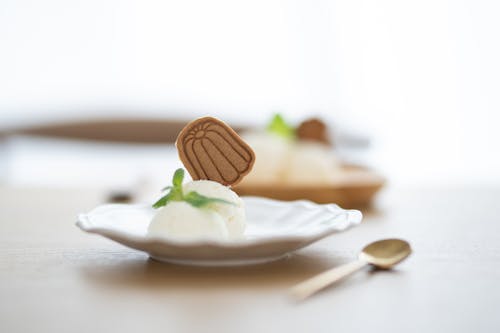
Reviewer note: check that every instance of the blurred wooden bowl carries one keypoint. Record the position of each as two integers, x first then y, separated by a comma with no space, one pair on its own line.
355,188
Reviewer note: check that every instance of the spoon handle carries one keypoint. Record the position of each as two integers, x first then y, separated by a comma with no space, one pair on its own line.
316,283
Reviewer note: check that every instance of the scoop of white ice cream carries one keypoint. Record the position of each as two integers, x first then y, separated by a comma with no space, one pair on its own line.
311,163
233,215
181,221
271,154
215,221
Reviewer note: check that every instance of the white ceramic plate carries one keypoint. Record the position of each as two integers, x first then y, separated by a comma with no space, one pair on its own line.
274,229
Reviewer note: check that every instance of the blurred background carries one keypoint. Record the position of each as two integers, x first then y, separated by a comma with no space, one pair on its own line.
410,88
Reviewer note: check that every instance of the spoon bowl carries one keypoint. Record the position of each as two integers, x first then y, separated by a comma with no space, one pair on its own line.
386,253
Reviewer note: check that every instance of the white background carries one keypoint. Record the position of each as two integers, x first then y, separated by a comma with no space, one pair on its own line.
420,77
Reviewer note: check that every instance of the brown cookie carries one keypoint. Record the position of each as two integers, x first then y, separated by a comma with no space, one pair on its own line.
313,130
210,149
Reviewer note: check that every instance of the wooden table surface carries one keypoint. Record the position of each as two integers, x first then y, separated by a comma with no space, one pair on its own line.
55,278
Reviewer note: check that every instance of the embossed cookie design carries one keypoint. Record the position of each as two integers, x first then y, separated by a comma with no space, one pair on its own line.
210,149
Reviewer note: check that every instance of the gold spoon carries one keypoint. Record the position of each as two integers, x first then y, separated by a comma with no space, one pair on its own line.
383,254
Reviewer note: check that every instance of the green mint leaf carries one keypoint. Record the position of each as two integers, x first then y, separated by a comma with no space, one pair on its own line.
279,126
197,200
163,200
178,178
175,193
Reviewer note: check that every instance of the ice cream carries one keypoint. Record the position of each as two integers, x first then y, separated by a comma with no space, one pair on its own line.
217,221
272,151
310,163
233,215
294,162
181,221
